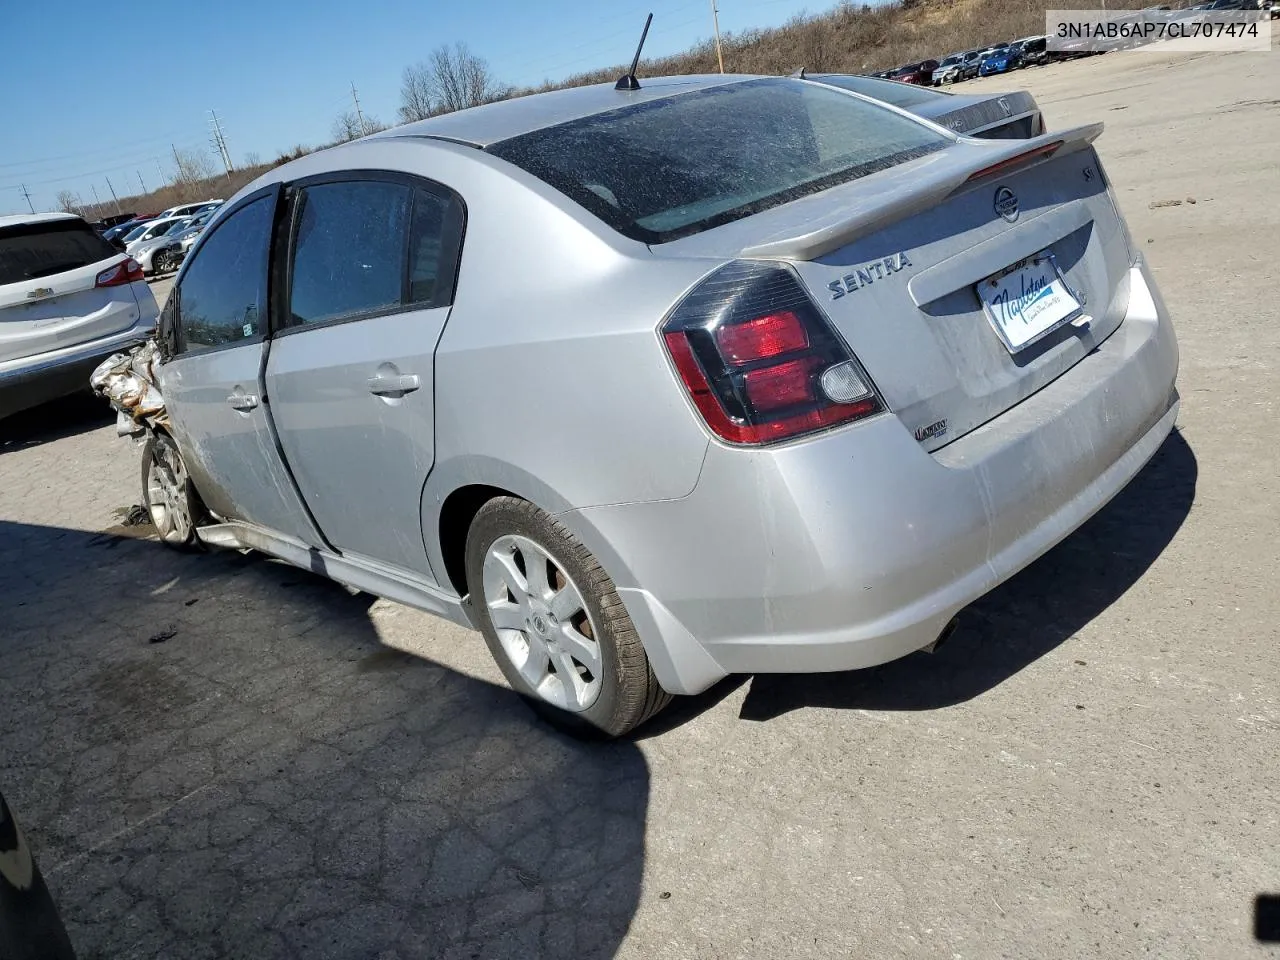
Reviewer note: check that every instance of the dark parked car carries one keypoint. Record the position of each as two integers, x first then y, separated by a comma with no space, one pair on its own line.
918,73
1033,51
995,116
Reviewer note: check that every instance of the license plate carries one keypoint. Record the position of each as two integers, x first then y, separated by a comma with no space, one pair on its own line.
1027,301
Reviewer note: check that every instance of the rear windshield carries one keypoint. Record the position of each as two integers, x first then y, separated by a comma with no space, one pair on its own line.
904,95
33,250
673,167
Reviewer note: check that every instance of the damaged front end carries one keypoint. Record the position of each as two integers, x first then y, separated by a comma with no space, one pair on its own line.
128,382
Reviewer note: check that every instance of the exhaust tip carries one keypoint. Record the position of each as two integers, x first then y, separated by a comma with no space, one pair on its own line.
942,637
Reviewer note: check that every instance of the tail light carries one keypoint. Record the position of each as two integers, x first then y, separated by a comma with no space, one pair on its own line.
1036,153
760,362
126,271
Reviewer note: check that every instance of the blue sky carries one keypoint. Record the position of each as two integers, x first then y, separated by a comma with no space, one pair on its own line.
100,93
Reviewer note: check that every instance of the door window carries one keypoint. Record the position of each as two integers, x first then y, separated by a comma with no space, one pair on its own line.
350,239
433,248
222,296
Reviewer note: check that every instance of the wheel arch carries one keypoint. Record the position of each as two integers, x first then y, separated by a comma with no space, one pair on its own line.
452,496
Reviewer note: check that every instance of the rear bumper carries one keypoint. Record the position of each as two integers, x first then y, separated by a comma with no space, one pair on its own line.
858,547
31,381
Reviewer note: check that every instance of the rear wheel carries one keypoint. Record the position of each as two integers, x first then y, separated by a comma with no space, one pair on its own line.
168,494
555,624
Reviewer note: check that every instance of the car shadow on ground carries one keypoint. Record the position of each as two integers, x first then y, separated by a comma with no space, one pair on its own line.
65,417
214,755
1021,620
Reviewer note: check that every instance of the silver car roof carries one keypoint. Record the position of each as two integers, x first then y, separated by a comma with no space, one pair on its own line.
494,122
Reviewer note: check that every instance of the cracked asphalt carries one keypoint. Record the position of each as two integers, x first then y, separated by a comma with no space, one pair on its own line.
221,756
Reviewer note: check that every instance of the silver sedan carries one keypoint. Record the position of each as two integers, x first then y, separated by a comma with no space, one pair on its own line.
651,386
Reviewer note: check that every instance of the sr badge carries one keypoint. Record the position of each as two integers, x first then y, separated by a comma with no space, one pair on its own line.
867,274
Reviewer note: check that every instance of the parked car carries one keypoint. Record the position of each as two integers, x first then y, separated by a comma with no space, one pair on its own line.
188,209
996,116
67,299
645,432
149,231
949,69
918,73
119,231
30,928
106,223
163,254
1001,61
1033,51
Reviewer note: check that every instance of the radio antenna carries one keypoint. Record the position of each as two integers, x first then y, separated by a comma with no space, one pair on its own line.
628,80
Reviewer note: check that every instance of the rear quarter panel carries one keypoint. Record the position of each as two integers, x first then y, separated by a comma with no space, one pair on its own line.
551,380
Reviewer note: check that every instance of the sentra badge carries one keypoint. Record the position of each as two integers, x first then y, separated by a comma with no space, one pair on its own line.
867,274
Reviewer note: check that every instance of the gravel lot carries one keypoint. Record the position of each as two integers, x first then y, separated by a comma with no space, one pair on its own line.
222,756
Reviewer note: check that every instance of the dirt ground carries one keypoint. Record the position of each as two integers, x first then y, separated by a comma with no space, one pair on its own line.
219,755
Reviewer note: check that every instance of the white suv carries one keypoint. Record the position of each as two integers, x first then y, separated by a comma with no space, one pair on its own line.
67,300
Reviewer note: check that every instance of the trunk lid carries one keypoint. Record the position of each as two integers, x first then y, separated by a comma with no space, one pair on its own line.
896,272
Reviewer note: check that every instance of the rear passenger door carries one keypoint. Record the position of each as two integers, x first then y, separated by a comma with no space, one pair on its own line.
366,291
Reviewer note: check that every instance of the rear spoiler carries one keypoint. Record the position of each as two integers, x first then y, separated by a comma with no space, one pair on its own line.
913,187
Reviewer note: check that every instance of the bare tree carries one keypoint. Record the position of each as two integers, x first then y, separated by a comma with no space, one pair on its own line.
348,126
68,201
451,78
415,93
193,165
252,159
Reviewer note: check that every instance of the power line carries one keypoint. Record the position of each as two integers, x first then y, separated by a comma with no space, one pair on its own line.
132,148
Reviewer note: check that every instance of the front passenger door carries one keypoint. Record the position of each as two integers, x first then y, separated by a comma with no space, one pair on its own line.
211,385
372,262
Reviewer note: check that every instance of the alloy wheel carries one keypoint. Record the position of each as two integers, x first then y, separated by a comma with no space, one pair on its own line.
542,623
166,494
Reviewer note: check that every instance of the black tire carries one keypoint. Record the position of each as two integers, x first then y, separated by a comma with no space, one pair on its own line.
160,454
629,693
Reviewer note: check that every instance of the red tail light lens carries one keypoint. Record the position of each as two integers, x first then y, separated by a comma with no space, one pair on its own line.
126,271
757,357
1047,150
761,337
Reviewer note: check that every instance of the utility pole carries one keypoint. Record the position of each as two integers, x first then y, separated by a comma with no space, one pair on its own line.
220,141
113,192
97,204
364,131
140,183
28,196
177,162
161,173
715,22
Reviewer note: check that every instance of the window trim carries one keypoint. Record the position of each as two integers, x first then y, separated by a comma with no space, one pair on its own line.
179,350
282,324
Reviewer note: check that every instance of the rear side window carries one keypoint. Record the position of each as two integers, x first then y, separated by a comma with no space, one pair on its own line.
433,248
669,168
34,250
350,239
222,296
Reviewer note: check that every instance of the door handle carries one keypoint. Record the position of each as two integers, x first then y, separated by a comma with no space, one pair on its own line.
384,384
242,401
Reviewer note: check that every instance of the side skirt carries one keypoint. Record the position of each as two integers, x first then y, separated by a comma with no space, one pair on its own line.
359,573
